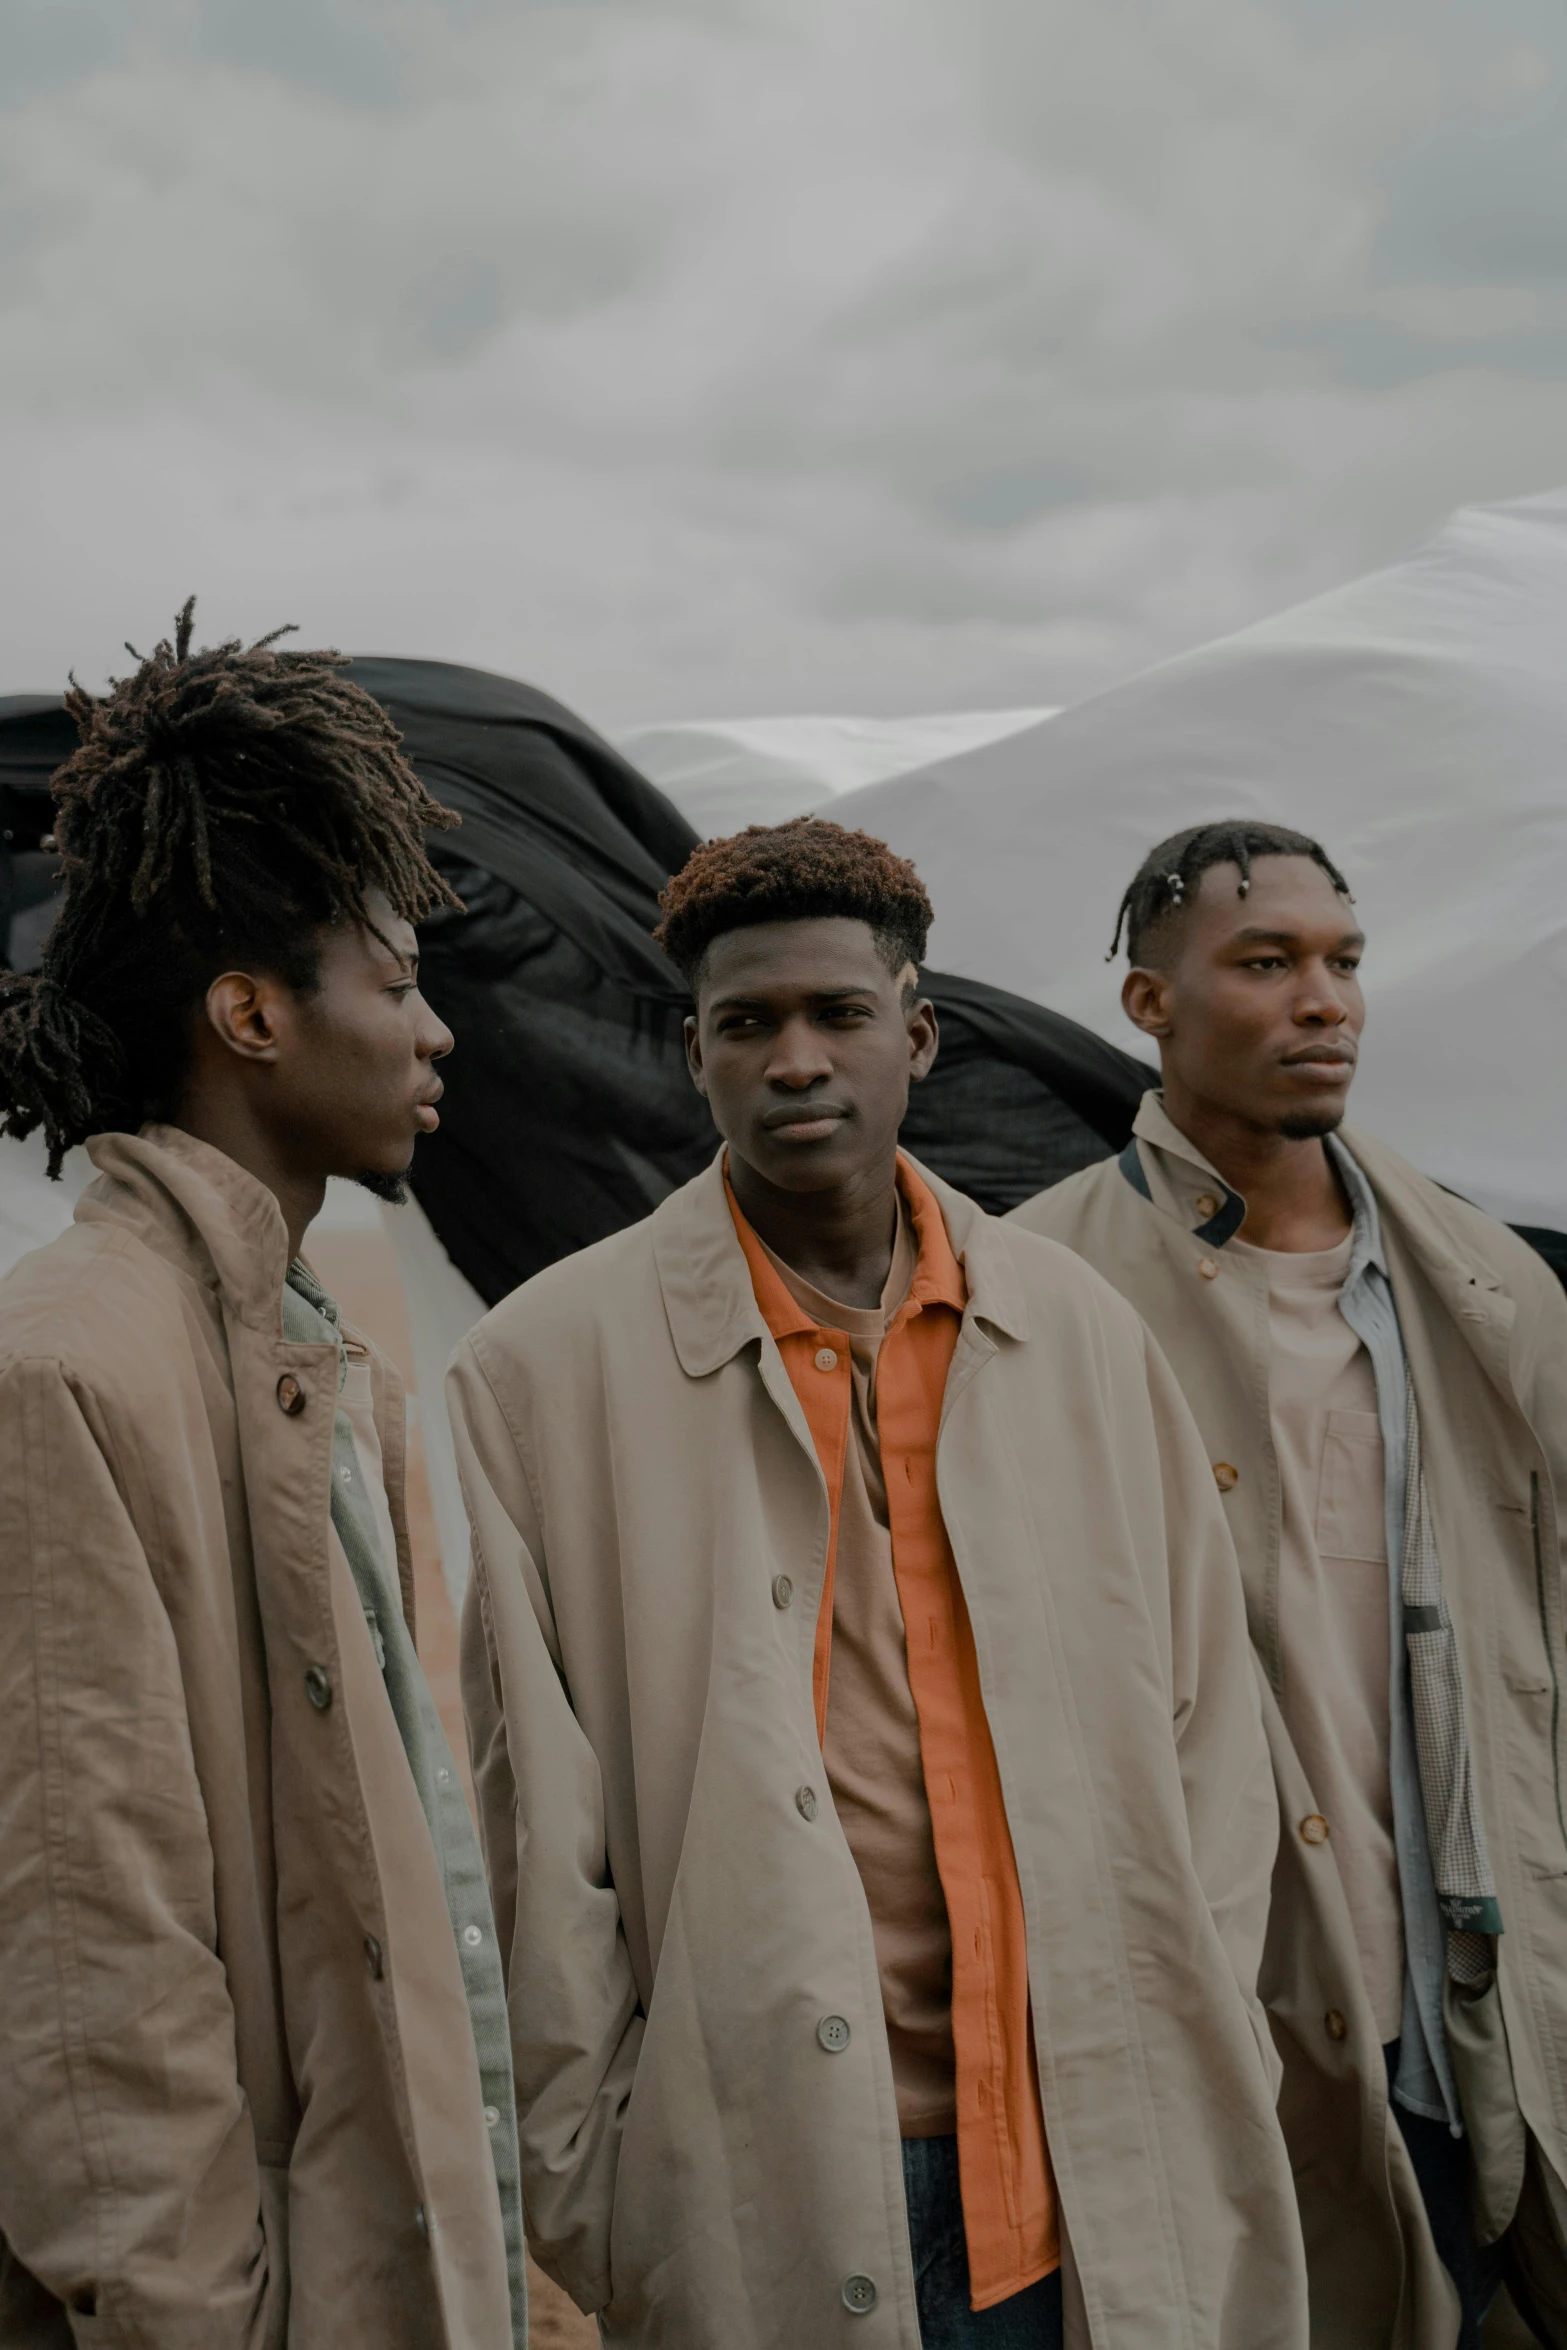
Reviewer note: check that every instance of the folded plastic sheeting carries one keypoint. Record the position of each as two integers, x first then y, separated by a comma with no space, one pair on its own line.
1414,722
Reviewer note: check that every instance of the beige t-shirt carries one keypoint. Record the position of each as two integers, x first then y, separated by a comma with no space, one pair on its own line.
1333,1594
872,1743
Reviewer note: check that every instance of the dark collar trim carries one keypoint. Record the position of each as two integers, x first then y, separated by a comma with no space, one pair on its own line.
1218,1229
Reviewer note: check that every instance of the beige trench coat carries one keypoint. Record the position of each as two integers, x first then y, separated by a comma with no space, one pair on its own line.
239,2101
1485,1330
650,1530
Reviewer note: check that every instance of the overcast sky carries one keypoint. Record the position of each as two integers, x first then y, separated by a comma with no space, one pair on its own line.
700,357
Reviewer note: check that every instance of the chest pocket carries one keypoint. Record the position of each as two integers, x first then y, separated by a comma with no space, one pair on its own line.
1351,1507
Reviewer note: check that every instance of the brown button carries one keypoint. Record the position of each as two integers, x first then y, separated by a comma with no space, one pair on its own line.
290,1395
1334,2025
1206,1205
1226,1476
1207,1268
1314,1828
318,1687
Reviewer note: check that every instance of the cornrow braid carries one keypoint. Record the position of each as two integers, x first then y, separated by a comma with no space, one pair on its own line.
1168,876
225,804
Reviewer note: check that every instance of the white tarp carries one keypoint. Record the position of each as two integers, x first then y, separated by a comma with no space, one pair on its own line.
1416,723
723,773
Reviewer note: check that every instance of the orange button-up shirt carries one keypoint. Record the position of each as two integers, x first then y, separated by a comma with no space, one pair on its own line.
1009,2207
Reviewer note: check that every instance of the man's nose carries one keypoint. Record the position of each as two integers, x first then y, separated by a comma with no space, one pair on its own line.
436,1041
799,1057
1319,1002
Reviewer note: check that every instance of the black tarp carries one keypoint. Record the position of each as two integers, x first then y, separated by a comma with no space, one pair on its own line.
568,1110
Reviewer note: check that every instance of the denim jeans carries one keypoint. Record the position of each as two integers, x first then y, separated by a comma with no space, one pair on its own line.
1030,2320
1441,2166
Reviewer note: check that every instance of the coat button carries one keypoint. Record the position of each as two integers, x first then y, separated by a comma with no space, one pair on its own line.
373,1957
805,1802
1206,1205
1334,2025
290,1395
1226,1476
492,2117
859,2295
826,1359
422,2224
318,1687
783,1591
473,1936
833,2033
1207,1268
1314,1828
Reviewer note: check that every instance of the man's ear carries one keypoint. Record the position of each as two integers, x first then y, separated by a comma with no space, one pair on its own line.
924,1039
693,1037
247,1014
1145,999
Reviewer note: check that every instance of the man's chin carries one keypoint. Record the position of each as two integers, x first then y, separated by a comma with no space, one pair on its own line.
391,1188
1310,1125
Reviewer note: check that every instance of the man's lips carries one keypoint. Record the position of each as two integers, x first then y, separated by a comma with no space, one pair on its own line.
1322,1060
425,1110
812,1123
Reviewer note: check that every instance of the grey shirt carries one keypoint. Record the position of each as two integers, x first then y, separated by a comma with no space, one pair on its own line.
311,1317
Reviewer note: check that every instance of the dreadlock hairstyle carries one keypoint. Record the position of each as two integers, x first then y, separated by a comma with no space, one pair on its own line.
793,872
222,806
1167,878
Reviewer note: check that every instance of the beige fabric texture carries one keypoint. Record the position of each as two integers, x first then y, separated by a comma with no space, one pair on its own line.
1485,1331
872,1747
217,2125
638,1471
1333,1592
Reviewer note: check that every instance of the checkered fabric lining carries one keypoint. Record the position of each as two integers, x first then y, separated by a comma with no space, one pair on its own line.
1461,1864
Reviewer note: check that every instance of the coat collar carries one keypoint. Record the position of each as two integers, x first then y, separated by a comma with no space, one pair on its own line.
196,1207
1174,1176
706,1282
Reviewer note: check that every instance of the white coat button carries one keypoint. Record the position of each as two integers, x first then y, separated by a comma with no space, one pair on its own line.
859,2295
833,2033
826,1359
805,1802
443,1776
422,2224
472,1936
492,2117
1206,1205
783,1591
1207,1268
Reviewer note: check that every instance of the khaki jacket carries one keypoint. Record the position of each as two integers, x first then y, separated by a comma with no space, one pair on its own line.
1485,1331
650,1532
239,2101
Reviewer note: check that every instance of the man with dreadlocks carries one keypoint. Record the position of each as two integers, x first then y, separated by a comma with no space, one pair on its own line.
255,2086
1380,1374
884,1882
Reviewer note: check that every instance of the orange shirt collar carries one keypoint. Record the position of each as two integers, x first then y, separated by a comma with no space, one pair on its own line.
938,1274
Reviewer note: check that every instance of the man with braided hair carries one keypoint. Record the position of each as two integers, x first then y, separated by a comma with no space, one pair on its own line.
1379,1372
255,2087
882,1885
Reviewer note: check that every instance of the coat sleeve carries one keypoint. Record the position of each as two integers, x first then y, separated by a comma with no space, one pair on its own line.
1226,1775
576,2025
129,2184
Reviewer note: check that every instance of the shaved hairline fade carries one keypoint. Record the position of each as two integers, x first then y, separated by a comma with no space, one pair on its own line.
1162,889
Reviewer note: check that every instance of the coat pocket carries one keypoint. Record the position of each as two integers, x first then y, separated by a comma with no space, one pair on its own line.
1483,2071
1351,1496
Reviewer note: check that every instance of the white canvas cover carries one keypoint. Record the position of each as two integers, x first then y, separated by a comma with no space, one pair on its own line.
1416,723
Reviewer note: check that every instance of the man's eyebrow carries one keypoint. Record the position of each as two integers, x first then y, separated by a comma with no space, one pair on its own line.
815,995
1254,935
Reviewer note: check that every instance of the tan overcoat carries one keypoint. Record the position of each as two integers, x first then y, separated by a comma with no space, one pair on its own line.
239,2100
650,1533
1485,1331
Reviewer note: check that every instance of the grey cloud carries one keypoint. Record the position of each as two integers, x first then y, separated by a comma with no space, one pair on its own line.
764,353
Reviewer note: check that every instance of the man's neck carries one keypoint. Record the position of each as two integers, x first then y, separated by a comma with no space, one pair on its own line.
840,1241
1295,1199
223,1124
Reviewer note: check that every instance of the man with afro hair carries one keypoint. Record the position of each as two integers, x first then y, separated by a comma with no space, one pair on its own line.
255,2087
871,1770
